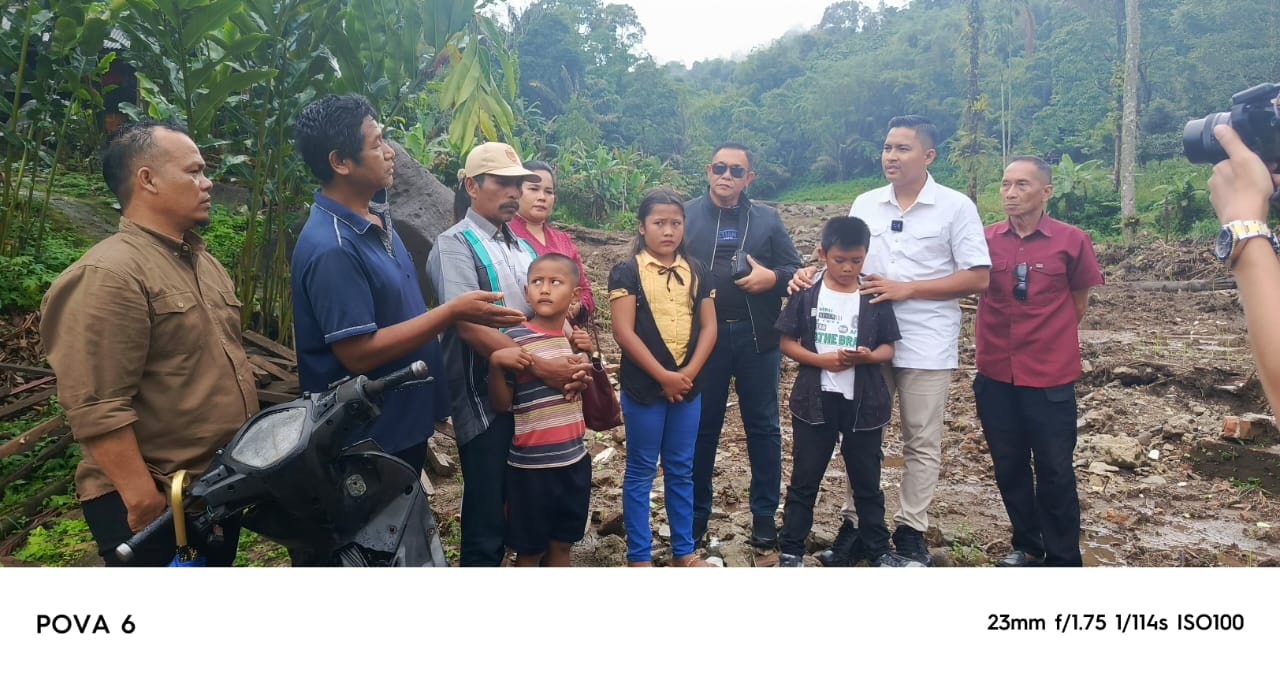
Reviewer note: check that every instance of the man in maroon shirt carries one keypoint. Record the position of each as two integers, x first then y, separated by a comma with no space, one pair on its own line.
1028,360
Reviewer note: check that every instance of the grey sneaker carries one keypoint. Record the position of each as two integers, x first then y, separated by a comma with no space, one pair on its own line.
890,559
785,560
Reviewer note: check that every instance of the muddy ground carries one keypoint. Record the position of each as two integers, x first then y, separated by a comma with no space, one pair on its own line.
1158,484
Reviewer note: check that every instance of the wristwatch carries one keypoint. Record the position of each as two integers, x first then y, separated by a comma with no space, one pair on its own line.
1234,233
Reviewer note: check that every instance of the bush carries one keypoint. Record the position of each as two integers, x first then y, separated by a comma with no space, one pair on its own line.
25,278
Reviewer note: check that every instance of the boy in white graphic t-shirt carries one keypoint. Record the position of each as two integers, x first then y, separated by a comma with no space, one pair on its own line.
841,341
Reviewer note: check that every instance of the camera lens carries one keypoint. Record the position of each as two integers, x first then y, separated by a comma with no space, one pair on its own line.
1198,142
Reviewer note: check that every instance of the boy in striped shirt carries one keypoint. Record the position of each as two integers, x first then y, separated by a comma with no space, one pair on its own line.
548,475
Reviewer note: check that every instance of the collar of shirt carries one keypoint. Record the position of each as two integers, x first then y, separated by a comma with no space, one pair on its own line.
495,232
649,261
928,192
190,241
377,205
1044,226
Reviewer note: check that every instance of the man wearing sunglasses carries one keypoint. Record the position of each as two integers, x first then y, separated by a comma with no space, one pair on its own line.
751,259
1028,360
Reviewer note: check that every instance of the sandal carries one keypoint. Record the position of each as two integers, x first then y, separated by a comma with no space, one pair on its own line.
690,560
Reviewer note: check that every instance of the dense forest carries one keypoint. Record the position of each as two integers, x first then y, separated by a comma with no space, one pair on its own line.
1050,78
569,82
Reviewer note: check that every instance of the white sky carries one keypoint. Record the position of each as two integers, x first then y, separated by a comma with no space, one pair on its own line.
693,30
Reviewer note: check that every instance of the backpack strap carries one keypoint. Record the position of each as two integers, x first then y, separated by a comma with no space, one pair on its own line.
482,256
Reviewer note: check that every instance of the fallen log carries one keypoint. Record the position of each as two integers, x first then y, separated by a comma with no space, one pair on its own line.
270,345
57,449
28,370
1193,286
268,367
27,441
9,523
30,401
26,386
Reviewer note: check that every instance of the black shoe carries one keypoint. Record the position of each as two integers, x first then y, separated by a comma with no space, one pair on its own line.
764,534
699,531
1020,558
910,544
845,550
785,560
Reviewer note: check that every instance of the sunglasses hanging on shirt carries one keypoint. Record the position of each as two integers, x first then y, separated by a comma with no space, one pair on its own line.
1020,284
736,171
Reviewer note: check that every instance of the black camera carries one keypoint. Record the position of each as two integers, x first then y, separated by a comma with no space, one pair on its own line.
739,266
1255,116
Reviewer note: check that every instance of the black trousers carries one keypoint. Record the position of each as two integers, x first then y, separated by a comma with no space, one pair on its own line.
1032,435
108,521
811,452
484,468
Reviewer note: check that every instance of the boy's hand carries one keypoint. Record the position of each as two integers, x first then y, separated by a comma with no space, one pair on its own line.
836,361
860,355
581,340
478,307
511,359
675,385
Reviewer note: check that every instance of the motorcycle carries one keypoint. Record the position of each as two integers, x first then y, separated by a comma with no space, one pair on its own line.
287,469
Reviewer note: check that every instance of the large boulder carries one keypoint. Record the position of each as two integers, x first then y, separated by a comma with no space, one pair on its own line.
422,208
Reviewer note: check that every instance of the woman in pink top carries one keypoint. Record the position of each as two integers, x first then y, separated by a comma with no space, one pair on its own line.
530,224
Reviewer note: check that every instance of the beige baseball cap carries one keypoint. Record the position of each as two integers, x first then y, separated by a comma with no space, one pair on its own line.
495,158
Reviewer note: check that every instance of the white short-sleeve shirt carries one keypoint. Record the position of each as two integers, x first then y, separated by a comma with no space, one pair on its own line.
941,235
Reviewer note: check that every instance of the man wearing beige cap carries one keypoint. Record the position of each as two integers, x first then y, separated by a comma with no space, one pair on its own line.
481,253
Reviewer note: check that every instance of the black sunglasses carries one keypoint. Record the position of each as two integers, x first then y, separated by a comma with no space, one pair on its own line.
736,171
1020,287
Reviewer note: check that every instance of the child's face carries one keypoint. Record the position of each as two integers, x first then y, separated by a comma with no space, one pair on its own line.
551,289
663,229
844,265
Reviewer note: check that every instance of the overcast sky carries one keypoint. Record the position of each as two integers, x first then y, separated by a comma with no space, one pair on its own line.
693,30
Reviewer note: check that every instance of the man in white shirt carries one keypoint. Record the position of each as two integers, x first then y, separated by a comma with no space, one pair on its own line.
927,251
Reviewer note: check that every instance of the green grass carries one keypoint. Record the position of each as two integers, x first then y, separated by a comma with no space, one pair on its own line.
838,192
63,543
258,551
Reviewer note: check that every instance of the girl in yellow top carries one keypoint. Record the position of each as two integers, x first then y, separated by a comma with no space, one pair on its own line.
664,320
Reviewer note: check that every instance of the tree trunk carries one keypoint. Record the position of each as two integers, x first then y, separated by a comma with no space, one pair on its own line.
972,114
1129,139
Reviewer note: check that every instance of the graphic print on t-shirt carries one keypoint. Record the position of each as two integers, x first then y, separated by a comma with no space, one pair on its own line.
835,328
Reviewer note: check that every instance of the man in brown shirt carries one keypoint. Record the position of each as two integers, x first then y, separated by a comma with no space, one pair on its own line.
144,335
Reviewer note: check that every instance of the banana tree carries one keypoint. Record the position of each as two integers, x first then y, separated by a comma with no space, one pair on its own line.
196,55
393,48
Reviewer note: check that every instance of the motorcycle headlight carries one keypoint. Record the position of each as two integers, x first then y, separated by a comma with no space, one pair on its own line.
270,438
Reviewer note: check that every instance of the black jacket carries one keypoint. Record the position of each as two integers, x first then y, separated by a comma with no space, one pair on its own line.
767,242
877,325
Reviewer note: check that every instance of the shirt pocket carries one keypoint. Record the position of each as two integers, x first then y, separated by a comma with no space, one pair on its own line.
1046,281
926,244
177,328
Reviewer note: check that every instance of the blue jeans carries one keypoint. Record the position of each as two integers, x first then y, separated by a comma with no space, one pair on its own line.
755,376
659,431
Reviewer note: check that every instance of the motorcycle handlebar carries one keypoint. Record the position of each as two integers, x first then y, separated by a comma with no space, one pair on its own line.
125,551
414,371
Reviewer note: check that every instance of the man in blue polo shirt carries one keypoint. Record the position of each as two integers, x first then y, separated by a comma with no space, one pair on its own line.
357,306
